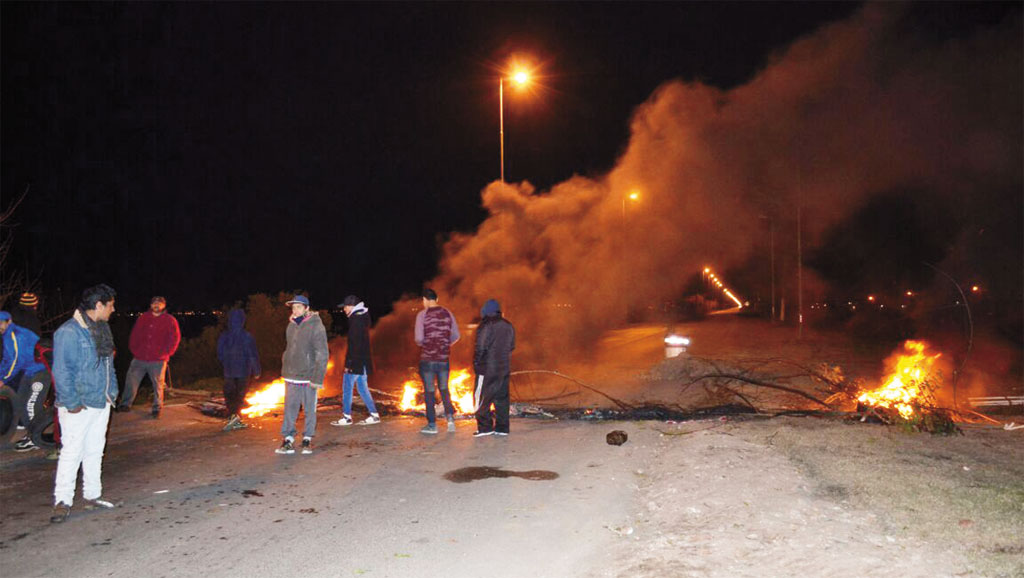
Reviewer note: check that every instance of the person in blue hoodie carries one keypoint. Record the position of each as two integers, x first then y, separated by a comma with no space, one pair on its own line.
236,350
23,379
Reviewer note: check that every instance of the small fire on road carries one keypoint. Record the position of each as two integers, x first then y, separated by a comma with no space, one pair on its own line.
460,384
264,401
269,397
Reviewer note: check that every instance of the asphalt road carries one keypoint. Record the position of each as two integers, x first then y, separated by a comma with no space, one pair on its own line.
371,501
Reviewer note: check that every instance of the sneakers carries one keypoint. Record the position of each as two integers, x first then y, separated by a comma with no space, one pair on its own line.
25,445
61,511
307,446
345,420
100,504
287,447
54,455
501,433
451,425
235,423
155,414
123,408
480,434
429,429
374,418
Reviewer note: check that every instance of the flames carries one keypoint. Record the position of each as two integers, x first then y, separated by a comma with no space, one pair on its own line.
264,401
904,387
460,384
269,398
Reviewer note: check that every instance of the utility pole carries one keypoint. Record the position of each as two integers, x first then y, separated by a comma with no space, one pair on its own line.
799,257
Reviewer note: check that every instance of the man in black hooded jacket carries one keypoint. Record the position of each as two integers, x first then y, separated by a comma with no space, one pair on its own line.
495,340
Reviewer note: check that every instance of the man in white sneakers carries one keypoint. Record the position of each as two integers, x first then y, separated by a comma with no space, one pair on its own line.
358,362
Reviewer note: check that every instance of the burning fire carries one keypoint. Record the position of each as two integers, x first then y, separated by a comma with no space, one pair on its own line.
270,397
460,384
265,400
902,387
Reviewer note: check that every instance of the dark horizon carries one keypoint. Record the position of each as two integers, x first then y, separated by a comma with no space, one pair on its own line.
206,152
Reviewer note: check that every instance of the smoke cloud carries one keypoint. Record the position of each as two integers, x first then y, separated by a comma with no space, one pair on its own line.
858,107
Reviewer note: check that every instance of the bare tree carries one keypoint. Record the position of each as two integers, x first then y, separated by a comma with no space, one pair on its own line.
13,280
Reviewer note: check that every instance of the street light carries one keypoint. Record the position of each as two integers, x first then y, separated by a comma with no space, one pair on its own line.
521,78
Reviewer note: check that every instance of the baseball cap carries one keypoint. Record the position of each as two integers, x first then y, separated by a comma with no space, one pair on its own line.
299,299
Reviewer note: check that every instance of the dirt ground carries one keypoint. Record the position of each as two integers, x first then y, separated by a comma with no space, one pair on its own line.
821,497
743,495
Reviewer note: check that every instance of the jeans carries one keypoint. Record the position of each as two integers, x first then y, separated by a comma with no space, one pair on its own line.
299,396
364,392
429,371
136,371
84,435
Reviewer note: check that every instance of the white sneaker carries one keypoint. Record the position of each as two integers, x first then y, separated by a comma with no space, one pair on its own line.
370,420
345,420
100,504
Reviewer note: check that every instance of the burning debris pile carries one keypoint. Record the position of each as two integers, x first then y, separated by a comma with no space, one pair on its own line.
908,393
460,384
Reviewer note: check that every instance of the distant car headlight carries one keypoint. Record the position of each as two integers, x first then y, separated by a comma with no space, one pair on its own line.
677,341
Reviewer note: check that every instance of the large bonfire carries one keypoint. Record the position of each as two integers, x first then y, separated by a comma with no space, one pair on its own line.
908,391
909,387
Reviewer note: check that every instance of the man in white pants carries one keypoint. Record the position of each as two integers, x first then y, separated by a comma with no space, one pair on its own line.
86,387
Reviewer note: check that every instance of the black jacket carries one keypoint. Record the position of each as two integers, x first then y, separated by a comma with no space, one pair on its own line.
358,358
495,340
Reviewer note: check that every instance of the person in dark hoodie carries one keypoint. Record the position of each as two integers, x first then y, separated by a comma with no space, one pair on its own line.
358,362
236,350
495,340
303,368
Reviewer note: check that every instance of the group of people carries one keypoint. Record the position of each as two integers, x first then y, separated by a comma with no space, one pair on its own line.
86,385
305,358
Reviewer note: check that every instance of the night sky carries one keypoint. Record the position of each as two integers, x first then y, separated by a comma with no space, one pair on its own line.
209,151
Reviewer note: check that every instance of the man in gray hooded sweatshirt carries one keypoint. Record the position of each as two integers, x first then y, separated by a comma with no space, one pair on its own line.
303,367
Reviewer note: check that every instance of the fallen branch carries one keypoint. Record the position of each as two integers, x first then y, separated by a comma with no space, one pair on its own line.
981,415
622,405
758,382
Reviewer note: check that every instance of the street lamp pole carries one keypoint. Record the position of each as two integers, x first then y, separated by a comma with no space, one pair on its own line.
771,252
771,243
501,122
520,77
633,196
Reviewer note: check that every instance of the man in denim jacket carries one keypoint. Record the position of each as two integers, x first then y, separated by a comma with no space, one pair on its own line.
86,386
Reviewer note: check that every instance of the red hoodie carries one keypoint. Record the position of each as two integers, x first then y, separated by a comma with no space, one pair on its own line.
154,337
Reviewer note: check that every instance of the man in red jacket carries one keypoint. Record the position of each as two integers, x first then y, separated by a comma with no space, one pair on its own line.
154,340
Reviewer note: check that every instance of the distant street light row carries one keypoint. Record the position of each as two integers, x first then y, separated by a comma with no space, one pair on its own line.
713,279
